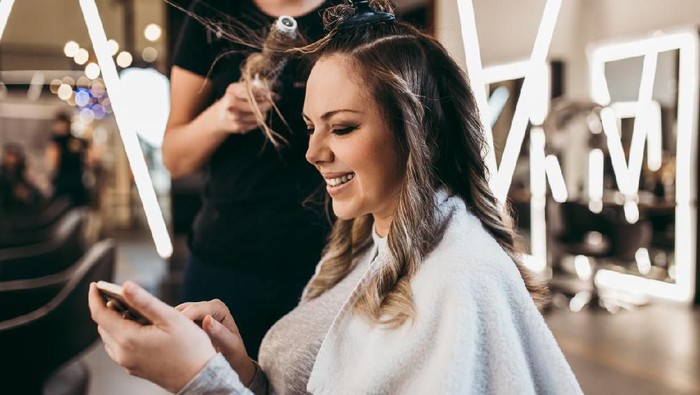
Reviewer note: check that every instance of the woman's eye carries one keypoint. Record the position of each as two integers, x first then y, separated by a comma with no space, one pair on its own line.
343,131
309,130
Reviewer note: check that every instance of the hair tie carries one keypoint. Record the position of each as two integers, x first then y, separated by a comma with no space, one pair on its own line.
364,16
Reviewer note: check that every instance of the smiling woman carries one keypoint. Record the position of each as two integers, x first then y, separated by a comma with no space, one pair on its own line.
420,288
351,144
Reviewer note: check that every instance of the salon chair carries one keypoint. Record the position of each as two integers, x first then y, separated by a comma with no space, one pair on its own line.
34,345
62,249
33,226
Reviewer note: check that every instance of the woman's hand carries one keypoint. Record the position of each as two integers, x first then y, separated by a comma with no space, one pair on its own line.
217,322
169,353
233,113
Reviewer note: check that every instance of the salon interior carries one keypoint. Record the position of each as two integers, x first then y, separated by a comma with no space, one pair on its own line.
591,113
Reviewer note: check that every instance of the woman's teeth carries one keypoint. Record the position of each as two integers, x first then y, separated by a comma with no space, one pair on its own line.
334,182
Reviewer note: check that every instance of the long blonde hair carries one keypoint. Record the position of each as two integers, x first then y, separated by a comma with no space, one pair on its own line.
429,105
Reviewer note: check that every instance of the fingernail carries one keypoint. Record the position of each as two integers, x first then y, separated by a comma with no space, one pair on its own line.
207,322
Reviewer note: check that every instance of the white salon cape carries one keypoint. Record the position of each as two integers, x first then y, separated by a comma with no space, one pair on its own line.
476,330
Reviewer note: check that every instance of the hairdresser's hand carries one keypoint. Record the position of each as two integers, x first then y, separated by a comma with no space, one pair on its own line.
234,114
169,353
218,323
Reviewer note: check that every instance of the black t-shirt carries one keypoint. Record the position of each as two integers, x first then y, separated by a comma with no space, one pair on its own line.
252,217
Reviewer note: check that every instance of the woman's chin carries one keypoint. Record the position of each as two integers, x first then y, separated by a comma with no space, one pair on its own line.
342,211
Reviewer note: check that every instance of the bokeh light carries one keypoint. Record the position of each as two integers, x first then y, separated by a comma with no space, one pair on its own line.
152,32
82,97
124,59
71,49
149,54
65,91
113,46
82,56
54,85
92,71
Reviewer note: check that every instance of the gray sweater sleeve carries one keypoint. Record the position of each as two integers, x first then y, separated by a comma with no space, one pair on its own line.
218,378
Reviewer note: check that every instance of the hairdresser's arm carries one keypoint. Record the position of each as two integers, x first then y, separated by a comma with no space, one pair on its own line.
194,132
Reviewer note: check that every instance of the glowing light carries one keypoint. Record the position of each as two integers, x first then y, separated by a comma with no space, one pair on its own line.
582,266
127,129
86,115
83,82
68,81
82,56
631,211
124,59
65,92
53,87
528,94
579,301
97,88
556,179
643,261
113,47
36,86
149,54
538,201
5,9
71,49
92,71
470,39
686,42
596,161
497,101
99,111
148,111
82,97
152,32
653,131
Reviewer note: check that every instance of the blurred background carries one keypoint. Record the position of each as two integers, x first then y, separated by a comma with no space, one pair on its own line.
592,106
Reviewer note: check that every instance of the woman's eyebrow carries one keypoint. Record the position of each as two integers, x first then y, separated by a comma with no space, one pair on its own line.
331,113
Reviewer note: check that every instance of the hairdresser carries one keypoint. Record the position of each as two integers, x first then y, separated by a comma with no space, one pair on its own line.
255,242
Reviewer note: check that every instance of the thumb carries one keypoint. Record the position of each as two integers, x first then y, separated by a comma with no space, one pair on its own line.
225,341
148,305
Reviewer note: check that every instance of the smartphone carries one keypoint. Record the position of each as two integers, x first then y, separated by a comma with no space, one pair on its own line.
113,294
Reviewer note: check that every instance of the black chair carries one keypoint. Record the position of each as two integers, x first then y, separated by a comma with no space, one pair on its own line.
65,246
23,228
35,344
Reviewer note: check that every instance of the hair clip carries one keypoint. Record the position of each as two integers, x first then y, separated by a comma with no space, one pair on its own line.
365,15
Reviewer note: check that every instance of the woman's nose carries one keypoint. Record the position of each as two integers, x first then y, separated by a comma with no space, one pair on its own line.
318,151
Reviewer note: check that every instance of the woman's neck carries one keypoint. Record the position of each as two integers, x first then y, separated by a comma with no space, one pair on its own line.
293,8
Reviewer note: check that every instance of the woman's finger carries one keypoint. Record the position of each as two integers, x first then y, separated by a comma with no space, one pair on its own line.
149,306
183,306
105,317
221,337
108,342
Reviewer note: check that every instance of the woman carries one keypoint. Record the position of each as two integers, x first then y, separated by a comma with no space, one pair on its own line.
420,289
67,156
253,190
17,191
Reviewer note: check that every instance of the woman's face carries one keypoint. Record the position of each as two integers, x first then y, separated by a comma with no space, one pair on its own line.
350,144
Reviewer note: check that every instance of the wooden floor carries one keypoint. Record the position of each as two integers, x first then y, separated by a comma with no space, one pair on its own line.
654,349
